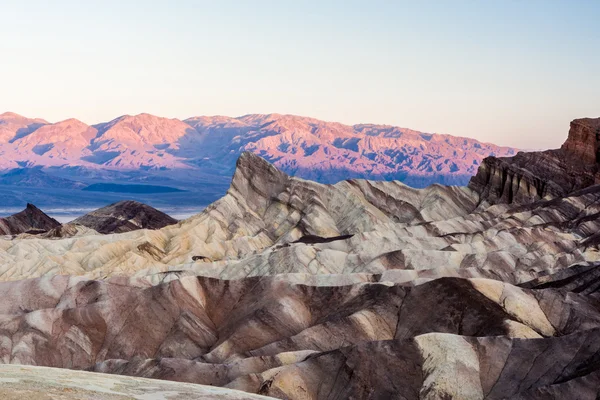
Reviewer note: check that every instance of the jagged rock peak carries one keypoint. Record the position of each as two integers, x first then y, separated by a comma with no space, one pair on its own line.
289,207
251,166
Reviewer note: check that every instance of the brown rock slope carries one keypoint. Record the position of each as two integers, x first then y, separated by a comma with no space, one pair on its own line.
450,337
31,219
125,216
532,176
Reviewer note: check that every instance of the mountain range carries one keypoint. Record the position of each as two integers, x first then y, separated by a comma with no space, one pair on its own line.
202,150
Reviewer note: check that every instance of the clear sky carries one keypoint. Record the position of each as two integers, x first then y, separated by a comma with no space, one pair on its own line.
509,72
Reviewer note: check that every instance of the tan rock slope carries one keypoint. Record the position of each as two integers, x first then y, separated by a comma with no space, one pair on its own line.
299,290
35,383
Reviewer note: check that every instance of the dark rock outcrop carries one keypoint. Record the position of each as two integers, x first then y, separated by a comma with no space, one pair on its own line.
31,219
312,239
532,176
125,216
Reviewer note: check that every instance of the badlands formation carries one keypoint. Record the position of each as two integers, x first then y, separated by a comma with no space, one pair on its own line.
368,290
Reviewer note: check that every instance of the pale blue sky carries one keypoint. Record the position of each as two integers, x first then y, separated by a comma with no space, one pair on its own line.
509,72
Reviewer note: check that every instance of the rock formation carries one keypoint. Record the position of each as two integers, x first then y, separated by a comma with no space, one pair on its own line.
527,177
584,140
65,231
360,289
125,216
31,219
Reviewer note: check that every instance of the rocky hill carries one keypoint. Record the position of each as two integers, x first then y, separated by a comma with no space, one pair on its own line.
124,216
362,289
305,147
14,126
31,219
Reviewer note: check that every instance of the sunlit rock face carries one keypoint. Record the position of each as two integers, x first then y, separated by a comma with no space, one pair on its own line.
299,290
584,140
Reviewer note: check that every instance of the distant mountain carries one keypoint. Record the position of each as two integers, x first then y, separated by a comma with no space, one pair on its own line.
329,152
14,126
209,146
117,188
35,177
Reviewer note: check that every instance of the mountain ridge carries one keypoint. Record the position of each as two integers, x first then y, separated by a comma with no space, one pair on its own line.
306,147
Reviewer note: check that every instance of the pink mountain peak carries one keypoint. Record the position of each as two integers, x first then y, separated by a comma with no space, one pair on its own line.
17,117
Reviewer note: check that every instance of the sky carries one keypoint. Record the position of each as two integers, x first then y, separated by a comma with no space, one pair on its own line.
508,72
